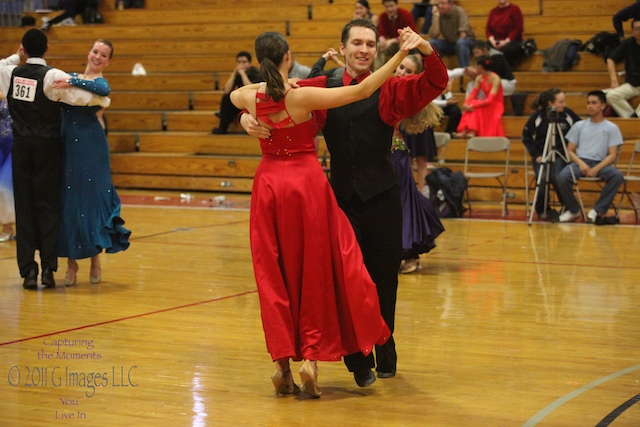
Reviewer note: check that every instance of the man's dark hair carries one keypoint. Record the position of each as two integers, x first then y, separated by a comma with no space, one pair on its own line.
599,94
358,22
245,54
384,1
35,43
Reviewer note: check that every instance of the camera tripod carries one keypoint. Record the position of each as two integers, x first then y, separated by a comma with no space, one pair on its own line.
549,153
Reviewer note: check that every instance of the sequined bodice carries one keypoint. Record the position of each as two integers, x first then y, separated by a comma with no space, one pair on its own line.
285,141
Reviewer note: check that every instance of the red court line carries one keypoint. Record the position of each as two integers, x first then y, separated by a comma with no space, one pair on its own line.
106,322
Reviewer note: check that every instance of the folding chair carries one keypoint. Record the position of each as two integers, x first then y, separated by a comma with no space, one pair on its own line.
488,153
600,183
635,206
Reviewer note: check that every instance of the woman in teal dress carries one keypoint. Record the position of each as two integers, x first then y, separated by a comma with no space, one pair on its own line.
90,219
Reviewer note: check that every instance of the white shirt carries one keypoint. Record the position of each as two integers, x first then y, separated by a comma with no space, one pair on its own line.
71,96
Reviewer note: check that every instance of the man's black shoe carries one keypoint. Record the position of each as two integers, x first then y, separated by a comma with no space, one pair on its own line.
218,131
390,374
31,280
47,278
606,220
364,377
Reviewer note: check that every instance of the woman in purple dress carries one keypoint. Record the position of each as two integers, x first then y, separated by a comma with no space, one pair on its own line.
420,222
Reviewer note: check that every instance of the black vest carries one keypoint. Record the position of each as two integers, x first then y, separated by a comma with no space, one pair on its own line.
34,115
360,146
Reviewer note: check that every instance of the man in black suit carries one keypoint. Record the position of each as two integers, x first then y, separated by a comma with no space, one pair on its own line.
37,150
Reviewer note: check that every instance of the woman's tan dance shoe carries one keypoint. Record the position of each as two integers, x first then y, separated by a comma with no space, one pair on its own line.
283,382
309,377
95,275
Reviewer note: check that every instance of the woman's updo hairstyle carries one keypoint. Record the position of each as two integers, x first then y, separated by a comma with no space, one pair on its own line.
270,50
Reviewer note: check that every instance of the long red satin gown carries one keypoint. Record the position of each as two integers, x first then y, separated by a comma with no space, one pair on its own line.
317,299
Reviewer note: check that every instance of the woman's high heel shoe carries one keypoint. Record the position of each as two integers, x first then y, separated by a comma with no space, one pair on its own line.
70,278
283,382
309,377
6,236
409,266
95,275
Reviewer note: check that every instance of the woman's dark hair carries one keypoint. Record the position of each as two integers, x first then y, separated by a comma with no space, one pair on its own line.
364,3
107,43
544,98
486,62
270,50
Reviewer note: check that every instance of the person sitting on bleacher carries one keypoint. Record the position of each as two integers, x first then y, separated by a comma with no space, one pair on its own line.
452,24
71,9
630,12
363,11
391,20
243,74
620,94
548,104
483,117
504,30
500,67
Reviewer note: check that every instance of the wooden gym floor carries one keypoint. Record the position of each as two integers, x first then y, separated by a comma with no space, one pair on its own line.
505,325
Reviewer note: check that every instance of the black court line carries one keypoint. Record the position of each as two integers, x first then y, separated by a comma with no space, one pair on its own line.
135,316
618,411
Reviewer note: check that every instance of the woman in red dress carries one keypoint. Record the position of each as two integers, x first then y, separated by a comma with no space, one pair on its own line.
317,299
483,117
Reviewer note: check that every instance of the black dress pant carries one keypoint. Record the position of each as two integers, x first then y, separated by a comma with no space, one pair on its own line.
228,112
36,186
378,227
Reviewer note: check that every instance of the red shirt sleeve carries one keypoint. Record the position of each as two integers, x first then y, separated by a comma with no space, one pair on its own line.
402,97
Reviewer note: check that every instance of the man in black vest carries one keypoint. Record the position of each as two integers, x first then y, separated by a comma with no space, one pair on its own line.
34,107
363,177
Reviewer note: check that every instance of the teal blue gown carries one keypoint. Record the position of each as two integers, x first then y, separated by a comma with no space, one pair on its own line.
90,219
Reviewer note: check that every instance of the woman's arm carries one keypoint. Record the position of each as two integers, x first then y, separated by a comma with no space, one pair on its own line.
98,86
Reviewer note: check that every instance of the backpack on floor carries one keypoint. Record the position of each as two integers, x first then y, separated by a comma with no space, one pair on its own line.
446,190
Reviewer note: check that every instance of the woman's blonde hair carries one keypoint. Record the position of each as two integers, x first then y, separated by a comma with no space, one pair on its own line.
429,116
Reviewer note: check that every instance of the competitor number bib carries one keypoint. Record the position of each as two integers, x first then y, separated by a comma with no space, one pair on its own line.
24,89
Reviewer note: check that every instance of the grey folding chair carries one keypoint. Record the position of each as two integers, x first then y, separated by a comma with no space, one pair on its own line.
487,157
629,178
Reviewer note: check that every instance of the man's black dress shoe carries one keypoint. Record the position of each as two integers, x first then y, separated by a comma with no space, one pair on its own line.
47,278
31,280
218,131
390,374
364,377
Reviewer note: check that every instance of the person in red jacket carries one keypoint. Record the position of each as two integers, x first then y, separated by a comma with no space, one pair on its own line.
504,30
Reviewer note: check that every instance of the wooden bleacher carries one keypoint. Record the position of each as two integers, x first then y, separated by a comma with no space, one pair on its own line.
159,124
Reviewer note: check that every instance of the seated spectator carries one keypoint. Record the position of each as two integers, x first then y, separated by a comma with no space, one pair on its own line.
548,105
593,146
423,10
483,117
297,70
504,30
449,104
500,67
71,9
451,23
620,94
243,74
630,12
362,10
318,67
391,20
